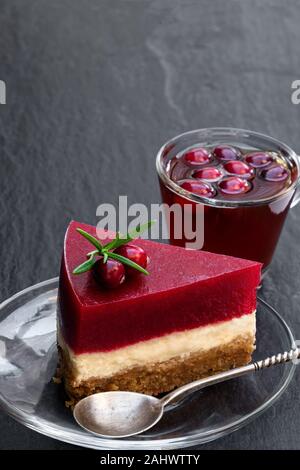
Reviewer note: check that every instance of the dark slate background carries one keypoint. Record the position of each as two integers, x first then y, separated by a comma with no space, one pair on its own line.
94,87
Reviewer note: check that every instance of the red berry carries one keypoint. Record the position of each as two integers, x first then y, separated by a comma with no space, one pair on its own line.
209,173
111,273
134,253
197,156
259,159
226,152
236,167
199,188
234,185
276,173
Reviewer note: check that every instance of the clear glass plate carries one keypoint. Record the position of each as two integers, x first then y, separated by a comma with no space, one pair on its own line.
28,361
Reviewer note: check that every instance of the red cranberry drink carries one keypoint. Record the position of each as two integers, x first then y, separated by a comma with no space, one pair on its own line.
245,180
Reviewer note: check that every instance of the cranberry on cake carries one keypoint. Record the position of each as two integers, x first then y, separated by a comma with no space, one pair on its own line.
193,315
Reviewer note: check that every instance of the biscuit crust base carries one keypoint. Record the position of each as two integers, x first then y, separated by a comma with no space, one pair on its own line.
159,377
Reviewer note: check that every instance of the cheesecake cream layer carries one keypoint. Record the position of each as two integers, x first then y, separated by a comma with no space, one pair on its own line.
179,344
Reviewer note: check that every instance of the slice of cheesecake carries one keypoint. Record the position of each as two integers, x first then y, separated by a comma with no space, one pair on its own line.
192,316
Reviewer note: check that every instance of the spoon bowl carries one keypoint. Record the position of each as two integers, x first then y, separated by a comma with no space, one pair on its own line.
118,414
123,414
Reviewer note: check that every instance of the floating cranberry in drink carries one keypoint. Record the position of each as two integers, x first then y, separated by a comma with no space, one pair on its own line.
198,187
238,168
276,173
196,156
246,187
227,179
226,152
210,173
234,185
259,159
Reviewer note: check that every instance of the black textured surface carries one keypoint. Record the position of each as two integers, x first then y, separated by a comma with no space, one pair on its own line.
94,87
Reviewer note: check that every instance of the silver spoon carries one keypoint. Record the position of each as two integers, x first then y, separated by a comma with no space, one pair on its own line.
123,414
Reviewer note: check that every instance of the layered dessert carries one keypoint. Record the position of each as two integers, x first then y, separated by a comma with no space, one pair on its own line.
193,314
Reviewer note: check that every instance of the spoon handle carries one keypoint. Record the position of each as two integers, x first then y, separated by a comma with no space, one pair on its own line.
292,355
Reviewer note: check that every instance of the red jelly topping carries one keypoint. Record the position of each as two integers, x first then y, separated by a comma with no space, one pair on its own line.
185,289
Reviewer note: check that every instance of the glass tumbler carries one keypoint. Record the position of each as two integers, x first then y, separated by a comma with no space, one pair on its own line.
246,227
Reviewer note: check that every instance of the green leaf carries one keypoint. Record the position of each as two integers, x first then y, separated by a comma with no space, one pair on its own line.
87,265
104,250
140,229
127,261
94,241
129,237
94,252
